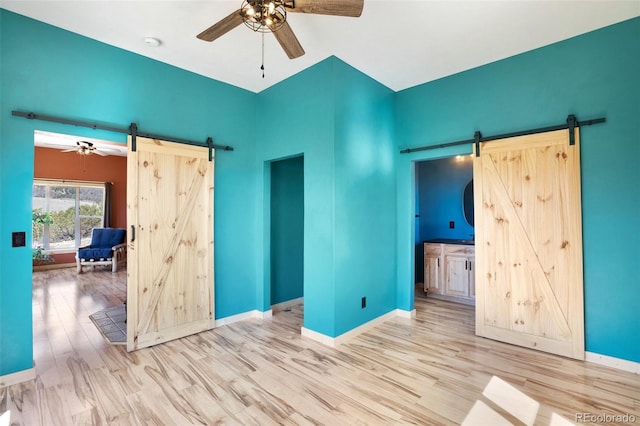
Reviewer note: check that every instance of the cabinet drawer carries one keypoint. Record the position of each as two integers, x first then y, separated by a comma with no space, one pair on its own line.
460,250
432,249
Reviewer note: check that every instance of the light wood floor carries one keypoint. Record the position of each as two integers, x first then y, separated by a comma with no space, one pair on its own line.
429,370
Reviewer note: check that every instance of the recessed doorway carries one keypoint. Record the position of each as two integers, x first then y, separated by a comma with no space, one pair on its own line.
287,232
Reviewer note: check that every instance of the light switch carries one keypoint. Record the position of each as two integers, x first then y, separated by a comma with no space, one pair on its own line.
18,239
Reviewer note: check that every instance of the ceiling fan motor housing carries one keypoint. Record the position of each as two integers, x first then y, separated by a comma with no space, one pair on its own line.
263,15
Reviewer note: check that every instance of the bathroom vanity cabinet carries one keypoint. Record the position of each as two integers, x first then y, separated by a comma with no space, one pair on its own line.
449,270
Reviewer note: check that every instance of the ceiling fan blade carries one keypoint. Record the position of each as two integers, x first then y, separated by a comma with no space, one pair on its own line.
100,153
221,27
289,41
329,7
70,150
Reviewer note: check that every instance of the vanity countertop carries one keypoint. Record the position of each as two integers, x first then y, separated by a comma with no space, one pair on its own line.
451,241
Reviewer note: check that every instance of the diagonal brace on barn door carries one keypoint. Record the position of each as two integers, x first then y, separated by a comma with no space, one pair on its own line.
160,278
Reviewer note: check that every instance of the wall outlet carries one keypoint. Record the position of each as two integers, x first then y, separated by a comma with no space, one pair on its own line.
452,224
364,302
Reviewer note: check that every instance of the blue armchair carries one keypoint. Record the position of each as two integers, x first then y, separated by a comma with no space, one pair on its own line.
108,247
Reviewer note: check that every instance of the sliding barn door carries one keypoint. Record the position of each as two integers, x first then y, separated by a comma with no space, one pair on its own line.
170,250
528,243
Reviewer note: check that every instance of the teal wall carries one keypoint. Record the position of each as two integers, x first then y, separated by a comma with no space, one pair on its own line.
342,121
592,75
359,198
365,199
287,229
303,112
52,71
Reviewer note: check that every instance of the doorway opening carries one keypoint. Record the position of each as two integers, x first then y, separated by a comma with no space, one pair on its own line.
74,191
287,234
444,234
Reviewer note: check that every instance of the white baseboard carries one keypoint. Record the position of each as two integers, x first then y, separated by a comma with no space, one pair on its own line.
255,314
286,304
406,314
17,377
344,337
318,337
609,361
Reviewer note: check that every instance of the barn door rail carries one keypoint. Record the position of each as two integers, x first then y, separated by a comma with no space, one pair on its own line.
132,130
571,123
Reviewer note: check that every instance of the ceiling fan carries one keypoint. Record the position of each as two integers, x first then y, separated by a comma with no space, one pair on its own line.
271,16
85,148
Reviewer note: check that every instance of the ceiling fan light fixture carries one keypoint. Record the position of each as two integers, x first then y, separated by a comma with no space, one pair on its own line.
263,16
85,148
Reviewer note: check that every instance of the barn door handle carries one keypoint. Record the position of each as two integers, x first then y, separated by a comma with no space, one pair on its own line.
133,233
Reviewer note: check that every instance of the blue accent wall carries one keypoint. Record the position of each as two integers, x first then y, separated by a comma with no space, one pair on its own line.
442,184
51,71
287,229
592,75
439,196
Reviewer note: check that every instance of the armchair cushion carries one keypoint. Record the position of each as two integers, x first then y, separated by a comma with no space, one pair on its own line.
95,253
102,242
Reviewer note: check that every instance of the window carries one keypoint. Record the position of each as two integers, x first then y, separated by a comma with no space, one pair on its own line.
64,213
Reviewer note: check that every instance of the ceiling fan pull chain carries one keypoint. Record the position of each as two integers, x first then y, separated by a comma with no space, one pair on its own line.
262,66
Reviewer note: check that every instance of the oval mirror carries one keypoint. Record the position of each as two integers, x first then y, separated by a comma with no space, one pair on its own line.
467,202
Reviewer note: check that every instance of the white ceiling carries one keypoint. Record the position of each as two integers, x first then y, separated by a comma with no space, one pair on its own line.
69,142
399,43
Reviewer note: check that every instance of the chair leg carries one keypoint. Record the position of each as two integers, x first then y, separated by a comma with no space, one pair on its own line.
114,265
78,266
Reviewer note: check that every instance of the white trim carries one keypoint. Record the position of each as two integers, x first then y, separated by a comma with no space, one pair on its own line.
286,304
255,314
318,337
18,377
609,361
344,337
406,314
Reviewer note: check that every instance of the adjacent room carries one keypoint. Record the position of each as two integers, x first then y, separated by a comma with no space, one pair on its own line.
345,212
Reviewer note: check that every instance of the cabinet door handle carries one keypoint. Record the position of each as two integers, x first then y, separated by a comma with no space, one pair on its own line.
466,263
133,233
470,265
